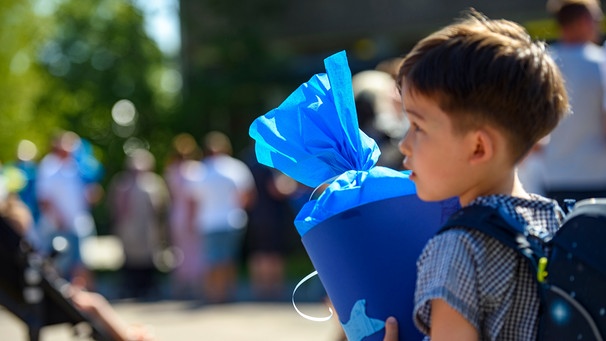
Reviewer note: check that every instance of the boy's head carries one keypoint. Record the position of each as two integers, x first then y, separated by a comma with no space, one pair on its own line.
483,72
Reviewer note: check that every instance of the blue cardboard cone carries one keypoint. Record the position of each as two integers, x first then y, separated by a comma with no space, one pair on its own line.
366,260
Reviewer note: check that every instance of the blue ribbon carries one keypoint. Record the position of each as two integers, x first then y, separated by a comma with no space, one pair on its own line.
352,189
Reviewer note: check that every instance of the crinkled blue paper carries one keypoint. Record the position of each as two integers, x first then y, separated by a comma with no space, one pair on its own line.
313,137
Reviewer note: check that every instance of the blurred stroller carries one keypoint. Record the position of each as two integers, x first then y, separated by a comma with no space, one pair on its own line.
31,289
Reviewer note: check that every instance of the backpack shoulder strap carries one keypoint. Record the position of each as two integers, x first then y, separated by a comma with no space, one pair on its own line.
487,220
499,225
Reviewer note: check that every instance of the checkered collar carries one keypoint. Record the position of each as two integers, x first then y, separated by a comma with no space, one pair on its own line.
542,215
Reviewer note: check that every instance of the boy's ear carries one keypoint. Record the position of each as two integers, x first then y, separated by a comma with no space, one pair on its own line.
482,146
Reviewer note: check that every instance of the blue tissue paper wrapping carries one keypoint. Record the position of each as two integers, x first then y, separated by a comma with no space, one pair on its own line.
364,233
313,135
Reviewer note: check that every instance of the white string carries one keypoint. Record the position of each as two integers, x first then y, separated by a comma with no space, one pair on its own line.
311,318
315,194
594,328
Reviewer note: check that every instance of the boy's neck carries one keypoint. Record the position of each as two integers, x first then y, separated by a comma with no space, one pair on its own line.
508,184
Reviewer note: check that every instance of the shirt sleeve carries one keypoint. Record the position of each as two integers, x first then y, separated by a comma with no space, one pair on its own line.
447,270
473,273
245,180
192,173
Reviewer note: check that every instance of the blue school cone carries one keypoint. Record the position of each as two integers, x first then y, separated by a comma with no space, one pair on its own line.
366,231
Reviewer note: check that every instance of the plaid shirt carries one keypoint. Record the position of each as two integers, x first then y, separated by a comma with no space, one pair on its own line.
487,283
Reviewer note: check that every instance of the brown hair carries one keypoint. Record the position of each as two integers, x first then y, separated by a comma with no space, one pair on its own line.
216,142
483,71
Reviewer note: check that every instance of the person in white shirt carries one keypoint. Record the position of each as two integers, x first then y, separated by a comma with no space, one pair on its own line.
221,189
64,199
575,157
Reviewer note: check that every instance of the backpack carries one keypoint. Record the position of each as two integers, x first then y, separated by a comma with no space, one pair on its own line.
570,267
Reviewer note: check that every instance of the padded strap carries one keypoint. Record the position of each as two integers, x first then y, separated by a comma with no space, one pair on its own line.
500,226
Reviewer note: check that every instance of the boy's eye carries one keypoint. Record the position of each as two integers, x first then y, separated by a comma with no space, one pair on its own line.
415,127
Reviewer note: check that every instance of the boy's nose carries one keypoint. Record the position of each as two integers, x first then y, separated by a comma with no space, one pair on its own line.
404,145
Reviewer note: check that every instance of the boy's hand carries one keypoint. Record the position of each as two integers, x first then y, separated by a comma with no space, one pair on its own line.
391,329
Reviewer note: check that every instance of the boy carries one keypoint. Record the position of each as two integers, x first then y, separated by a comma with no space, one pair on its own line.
479,94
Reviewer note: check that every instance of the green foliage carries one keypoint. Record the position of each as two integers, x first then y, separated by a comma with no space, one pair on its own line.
543,29
64,64
98,55
20,83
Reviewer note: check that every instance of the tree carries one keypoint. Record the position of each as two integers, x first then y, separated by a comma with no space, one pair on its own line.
87,67
98,59
20,76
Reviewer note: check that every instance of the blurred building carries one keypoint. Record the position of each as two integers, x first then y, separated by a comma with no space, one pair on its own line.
370,29
242,58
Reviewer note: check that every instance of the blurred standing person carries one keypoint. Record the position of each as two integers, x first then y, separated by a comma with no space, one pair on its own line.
221,189
270,228
138,202
26,155
15,184
184,238
380,116
64,200
575,157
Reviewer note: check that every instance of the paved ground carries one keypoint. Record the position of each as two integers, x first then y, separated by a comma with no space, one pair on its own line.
182,321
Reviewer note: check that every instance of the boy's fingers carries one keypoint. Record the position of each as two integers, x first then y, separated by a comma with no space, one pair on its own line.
391,329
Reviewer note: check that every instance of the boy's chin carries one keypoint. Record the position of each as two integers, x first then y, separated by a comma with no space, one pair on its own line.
429,197
424,196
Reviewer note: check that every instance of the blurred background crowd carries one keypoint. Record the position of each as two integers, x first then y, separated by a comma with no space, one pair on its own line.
125,132
202,224
189,228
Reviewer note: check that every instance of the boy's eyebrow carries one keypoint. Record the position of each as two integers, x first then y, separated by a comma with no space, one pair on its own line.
415,114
